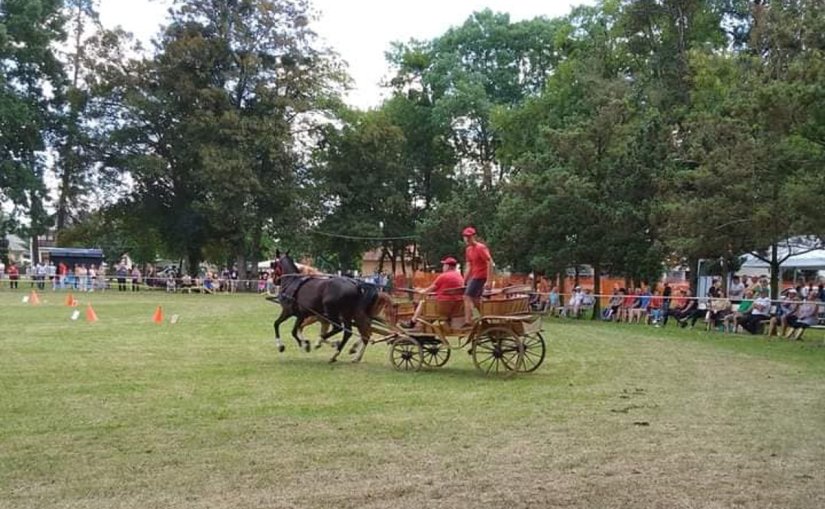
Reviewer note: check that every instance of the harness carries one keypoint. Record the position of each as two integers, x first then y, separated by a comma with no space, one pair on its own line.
288,292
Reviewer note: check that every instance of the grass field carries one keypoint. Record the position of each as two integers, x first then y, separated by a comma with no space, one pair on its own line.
206,414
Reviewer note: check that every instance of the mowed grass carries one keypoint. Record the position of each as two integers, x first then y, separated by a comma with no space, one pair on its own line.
206,413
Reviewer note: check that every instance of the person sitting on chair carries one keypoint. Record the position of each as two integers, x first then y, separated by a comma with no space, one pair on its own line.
807,315
448,287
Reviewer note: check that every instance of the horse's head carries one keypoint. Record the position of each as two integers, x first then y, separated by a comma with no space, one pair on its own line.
283,264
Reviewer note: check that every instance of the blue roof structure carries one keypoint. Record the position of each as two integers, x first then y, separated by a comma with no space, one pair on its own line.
70,252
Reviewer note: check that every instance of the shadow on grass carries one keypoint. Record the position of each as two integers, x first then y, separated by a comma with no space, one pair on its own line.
318,364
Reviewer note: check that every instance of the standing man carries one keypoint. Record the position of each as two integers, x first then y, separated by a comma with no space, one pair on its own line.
14,276
478,273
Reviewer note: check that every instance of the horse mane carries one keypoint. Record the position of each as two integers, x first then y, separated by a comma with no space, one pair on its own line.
308,270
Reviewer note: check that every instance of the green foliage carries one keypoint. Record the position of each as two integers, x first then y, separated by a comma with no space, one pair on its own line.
29,30
472,69
212,125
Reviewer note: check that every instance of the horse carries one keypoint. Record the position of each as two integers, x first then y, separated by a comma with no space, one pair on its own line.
309,271
338,301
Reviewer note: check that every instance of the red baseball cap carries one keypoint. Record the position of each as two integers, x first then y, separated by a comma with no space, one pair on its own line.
468,232
449,261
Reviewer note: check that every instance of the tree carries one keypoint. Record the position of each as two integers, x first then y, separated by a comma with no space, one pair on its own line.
28,69
470,70
214,122
84,112
587,154
753,140
366,188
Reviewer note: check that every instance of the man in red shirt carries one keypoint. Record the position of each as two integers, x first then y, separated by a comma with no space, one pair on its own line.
62,269
447,287
478,272
14,275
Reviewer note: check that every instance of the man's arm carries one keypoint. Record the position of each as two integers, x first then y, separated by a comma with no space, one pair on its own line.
428,290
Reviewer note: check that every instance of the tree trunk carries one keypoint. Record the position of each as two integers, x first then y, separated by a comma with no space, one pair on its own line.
193,258
597,290
35,251
693,280
775,271
240,262
255,250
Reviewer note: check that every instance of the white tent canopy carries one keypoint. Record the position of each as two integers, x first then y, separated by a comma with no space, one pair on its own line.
802,256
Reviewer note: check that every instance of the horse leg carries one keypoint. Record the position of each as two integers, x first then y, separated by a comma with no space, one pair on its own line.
332,314
364,330
284,315
306,323
347,326
323,337
296,333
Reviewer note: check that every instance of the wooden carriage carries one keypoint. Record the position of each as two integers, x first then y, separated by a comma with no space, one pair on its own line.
505,337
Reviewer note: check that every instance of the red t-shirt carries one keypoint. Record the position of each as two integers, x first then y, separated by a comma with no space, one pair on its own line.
628,300
656,302
447,281
478,256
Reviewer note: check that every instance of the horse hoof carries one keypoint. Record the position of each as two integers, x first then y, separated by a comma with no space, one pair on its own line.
318,345
333,359
281,348
306,346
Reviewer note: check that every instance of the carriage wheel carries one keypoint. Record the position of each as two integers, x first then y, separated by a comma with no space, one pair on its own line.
405,354
435,354
497,350
534,351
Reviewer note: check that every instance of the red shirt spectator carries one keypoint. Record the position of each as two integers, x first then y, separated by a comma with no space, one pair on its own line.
628,300
656,302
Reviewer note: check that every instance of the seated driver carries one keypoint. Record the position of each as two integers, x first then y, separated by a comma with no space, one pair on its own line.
448,288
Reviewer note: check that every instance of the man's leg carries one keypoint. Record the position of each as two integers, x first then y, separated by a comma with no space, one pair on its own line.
468,309
472,298
416,315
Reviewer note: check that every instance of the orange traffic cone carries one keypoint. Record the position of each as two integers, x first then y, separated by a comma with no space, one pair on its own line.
91,316
158,316
70,300
34,299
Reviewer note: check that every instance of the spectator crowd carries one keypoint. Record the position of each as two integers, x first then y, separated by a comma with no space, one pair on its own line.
745,307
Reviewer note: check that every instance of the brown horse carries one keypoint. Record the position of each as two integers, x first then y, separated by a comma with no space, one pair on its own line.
338,301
